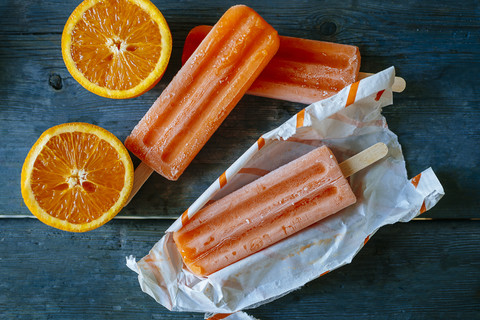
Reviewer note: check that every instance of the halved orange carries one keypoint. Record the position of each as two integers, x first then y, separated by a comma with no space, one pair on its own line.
116,48
76,177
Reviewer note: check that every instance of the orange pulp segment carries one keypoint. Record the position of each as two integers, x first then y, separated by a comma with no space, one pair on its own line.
76,177
116,48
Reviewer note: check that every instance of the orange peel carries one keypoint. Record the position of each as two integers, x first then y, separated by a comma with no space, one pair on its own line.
76,177
116,48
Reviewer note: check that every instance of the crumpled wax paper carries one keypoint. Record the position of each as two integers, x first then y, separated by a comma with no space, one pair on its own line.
348,123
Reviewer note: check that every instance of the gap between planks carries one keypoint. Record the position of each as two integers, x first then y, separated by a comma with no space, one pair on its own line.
24,216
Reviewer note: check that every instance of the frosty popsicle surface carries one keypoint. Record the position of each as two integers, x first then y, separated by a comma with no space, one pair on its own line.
302,71
264,212
204,91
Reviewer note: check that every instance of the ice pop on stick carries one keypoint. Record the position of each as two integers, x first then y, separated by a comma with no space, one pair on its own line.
203,92
302,70
270,209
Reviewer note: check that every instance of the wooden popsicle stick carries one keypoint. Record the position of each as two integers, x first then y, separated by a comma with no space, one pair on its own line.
399,83
142,172
363,159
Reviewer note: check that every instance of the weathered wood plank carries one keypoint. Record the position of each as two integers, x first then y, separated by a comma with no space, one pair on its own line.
417,270
434,46
421,270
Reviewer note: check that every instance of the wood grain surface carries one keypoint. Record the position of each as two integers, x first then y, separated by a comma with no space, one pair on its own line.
435,47
418,270
428,270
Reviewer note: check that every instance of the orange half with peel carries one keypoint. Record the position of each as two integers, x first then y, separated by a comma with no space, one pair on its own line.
76,177
116,48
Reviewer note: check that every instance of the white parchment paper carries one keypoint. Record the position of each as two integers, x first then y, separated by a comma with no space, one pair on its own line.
385,195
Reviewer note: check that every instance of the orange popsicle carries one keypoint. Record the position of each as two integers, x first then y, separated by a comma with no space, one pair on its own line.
264,212
302,71
204,91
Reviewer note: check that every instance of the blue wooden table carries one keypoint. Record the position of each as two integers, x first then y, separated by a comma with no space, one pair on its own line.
425,269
